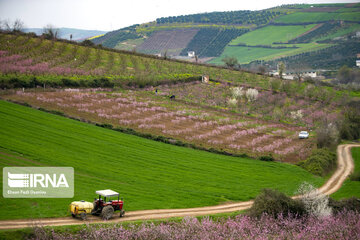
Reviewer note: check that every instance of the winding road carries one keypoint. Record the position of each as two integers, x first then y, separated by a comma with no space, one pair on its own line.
345,166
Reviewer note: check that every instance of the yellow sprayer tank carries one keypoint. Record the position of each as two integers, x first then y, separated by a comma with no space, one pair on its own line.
81,208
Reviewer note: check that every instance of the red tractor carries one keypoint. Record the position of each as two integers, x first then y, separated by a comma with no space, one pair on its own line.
106,204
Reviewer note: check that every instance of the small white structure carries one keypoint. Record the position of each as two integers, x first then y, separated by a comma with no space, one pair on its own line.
205,78
293,75
191,54
358,63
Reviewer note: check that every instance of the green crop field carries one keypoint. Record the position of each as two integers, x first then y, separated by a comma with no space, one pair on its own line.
148,174
248,54
129,44
350,188
307,17
267,36
341,32
270,34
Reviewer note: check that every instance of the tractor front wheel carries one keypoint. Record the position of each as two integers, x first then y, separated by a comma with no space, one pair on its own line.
83,216
107,212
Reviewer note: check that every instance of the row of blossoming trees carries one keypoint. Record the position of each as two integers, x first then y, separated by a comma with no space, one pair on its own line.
22,55
193,124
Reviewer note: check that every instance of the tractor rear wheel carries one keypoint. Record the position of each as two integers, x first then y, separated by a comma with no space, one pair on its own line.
107,212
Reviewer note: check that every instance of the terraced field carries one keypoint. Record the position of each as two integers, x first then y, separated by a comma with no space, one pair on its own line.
30,62
270,34
314,17
148,174
171,41
260,44
248,54
158,115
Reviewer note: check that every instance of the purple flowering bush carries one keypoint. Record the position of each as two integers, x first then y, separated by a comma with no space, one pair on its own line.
344,225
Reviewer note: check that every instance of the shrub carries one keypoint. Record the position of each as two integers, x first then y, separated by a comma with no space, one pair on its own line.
275,203
350,204
320,162
350,128
237,92
105,125
316,204
267,158
69,83
327,136
252,94
355,176
232,102
87,43
275,84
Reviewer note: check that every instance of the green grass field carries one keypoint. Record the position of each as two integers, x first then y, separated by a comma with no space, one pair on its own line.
148,174
307,17
270,34
350,188
245,54
129,44
267,36
341,32
248,54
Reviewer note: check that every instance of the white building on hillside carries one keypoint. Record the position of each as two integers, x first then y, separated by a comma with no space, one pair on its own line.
191,54
294,75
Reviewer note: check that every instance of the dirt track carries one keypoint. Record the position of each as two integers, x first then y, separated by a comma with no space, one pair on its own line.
344,168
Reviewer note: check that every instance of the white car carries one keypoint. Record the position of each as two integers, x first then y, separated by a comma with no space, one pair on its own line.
303,134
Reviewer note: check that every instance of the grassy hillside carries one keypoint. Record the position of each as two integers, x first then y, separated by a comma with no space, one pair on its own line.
28,62
333,57
316,17
271,34
259,44
248,54
148,174
293,24
210,42
228,18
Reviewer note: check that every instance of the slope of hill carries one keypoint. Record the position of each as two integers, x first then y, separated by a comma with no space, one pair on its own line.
77,34
170,40
148,174
288,25
27,62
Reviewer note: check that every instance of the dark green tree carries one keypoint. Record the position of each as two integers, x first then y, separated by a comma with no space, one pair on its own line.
231,62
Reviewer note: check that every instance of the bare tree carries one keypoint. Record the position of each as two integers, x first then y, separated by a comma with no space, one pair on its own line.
51,32
231,62
7,25
18,25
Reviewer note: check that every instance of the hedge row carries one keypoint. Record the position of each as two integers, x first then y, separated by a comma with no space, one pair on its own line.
321,162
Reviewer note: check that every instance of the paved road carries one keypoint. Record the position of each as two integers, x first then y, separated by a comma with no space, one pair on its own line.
345,166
